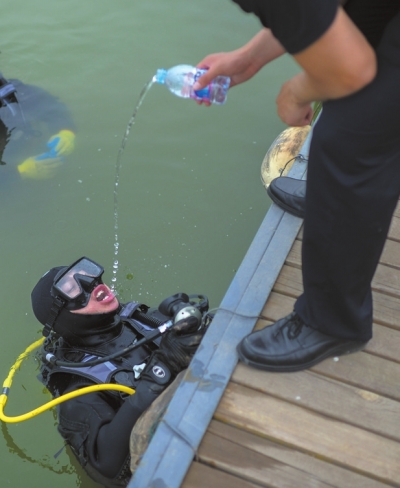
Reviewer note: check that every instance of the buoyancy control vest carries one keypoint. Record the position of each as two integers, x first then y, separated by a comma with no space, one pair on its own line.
135,321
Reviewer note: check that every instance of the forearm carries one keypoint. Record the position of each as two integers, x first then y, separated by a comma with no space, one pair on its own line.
112,445
305,89
243,63
262,49
329,71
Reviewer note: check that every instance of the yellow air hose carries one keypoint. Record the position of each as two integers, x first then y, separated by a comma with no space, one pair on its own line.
82,391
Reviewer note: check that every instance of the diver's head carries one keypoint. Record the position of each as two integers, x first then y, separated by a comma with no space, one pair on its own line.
74,302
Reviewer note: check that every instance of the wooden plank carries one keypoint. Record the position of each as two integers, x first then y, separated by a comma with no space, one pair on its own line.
385,343
340,443
328,397
294,257
277,306
386,279
386,310
323,471
201,476
232,457
289,282
386,307
364,371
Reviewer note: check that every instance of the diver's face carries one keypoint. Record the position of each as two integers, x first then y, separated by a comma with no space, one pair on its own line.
102,300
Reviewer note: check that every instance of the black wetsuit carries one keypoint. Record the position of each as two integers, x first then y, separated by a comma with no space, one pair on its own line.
97,426
353,178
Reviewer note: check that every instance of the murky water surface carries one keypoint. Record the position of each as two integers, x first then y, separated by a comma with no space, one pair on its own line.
189,197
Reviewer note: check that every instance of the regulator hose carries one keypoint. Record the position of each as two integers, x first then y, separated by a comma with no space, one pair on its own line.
188,321
154,334
82,391
50,358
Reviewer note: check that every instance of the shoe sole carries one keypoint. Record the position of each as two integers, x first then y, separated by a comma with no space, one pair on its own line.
341,350
284,206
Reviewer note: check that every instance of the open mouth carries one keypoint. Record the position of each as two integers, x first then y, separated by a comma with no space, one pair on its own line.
103,294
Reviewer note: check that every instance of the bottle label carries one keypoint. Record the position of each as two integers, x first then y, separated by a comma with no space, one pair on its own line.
203,94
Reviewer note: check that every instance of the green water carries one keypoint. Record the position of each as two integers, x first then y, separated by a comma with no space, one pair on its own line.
190,198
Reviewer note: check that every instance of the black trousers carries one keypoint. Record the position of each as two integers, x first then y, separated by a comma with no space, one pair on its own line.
353,186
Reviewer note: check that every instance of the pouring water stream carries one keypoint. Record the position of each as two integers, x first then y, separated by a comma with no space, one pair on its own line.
118,166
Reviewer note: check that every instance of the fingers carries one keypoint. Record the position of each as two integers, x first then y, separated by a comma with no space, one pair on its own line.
203,102
203,81
295,116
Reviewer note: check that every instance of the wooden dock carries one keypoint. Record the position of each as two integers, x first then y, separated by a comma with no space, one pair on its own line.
335,425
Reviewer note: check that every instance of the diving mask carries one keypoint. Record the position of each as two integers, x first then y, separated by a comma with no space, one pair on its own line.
75,283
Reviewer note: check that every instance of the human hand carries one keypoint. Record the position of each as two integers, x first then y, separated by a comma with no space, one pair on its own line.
229,64
180,343
39,167
291,109
233,64
243,63
62,143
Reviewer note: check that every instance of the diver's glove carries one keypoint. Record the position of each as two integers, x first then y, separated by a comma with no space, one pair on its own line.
40,167
180,343
61,144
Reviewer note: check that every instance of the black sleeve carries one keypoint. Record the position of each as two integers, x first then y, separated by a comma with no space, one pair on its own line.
98,428
295,23
80,421
372,16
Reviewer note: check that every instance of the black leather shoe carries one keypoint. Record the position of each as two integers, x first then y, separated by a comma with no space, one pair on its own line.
291,345
289,194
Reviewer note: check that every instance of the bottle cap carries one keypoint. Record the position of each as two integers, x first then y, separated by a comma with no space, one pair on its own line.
160,76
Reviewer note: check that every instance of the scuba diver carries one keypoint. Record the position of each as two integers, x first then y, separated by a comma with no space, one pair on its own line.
36,131
93,339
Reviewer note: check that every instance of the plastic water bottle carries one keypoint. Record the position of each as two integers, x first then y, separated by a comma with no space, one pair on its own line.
180,80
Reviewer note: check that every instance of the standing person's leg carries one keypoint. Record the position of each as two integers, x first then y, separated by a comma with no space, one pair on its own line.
352,189
353,186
